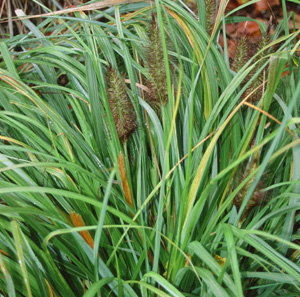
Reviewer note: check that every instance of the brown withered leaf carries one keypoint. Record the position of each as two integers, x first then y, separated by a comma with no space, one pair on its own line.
77,221
88,7
124,180
50,289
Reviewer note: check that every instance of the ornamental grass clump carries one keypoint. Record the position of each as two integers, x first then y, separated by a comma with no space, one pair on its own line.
121,107
82,214
157,95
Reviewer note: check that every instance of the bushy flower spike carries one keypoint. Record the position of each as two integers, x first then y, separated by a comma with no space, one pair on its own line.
210,13
245,51
258,196
240,57
157,83
121,108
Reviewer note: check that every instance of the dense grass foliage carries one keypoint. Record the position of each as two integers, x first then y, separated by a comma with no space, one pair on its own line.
135,162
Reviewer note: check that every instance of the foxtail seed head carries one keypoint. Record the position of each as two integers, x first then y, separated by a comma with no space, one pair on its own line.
210,13
245,51
121,108
258,196
157,82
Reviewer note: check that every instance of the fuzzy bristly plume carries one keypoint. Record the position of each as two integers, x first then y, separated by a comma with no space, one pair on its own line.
241,54
258,196
210,13
245,50
121,107
157,81
259,79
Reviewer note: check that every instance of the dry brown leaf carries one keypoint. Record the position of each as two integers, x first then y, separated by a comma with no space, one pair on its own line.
88,7
78,222
124,180
50,290
3,253
265,5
